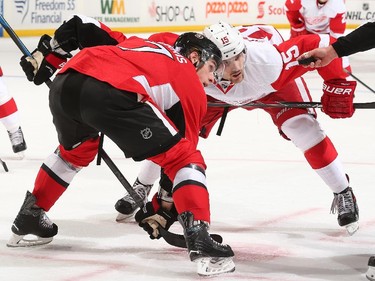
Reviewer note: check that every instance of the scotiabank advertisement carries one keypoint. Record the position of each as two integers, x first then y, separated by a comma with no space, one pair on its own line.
36,17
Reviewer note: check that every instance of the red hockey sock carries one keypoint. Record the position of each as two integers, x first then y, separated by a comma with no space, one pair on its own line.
8,108
193,198
48,188
322,154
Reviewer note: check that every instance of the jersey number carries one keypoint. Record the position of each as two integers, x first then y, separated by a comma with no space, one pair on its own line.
158,49
289,55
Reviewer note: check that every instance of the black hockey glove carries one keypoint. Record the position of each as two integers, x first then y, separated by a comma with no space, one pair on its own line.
44,61
150,220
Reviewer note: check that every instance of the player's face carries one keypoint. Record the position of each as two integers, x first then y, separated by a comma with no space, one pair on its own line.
234,70
206,73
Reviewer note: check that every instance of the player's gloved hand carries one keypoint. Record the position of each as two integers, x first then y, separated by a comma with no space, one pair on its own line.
152,216
337,99
298,31
44,61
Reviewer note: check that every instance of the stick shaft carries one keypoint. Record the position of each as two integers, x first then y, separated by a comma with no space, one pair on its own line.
282,104
14,36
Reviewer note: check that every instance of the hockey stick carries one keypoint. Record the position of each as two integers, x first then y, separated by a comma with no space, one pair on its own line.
21,46
361,82
4,165
283,104
14,36
116,171
173,239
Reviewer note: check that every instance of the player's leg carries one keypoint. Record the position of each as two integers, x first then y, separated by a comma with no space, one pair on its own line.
126,206
302,128
10,118
180,160
79,145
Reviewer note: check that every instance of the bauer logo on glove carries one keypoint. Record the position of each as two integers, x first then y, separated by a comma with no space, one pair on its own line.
337,99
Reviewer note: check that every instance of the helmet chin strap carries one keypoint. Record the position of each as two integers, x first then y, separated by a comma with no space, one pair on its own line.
198,65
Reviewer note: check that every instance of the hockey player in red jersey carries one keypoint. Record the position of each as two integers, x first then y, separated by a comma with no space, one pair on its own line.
116,90
10,118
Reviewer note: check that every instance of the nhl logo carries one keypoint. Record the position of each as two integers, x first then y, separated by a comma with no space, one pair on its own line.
146,133
366,6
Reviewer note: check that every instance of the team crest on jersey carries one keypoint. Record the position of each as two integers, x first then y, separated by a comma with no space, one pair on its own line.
146,133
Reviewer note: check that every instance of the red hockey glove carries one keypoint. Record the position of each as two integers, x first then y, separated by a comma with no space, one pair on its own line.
152,216
337,99
295,32
43,63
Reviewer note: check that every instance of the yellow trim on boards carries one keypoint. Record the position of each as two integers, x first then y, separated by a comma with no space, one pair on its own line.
145,29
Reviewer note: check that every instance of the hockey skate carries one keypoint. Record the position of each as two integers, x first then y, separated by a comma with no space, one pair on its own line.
346,206
31,221
18,142
212,258
127,206
370,274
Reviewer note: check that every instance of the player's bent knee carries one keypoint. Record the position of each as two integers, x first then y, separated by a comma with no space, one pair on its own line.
304,131
82,155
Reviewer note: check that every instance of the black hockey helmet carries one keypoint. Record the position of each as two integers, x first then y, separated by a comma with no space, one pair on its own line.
191,41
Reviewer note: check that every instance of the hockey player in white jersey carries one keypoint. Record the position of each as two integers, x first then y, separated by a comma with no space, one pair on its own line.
256,70
10,118
319,17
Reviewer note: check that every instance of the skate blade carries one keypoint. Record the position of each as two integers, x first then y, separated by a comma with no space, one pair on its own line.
352,228
370,274
16,241
214,266
20,155
125,218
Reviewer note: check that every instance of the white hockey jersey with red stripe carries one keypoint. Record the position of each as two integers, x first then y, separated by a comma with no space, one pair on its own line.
328,18
270,64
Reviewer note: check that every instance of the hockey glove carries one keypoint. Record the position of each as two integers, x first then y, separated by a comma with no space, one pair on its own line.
152,216
337,99
44,61
298,31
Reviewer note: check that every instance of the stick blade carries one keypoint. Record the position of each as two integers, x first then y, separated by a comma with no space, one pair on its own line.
4,165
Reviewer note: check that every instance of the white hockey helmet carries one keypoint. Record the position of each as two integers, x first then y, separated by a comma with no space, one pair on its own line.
227,38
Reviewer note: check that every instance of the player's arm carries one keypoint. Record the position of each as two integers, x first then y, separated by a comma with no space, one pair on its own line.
337,25
359,40
338,94
296,21
77,33
291,50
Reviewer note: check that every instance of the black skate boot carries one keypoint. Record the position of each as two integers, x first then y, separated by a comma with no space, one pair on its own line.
370,274
126,206
31,220
346,206
212,257
18,141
